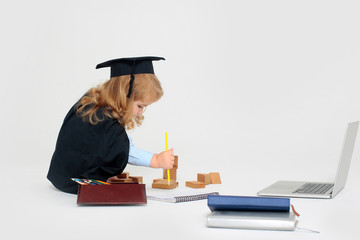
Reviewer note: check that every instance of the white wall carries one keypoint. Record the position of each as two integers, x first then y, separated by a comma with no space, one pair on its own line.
249,85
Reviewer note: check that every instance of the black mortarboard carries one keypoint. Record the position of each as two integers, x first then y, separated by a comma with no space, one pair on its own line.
130,66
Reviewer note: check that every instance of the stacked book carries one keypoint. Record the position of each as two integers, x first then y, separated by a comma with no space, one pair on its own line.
246,212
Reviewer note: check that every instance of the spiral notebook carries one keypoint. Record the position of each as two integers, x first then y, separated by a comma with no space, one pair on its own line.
181,197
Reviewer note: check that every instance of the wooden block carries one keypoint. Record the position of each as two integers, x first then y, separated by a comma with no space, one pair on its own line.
123,175
204,177
172,173
215,178
121,180
163,184
163,181
195,184
176,161
111,179
136,179
158,180
115,179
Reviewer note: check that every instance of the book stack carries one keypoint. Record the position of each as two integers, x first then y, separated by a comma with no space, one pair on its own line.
244,212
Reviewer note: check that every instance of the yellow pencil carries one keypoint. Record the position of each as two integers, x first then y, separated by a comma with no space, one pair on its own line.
167,149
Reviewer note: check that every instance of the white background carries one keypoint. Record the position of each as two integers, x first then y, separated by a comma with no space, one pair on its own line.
255,90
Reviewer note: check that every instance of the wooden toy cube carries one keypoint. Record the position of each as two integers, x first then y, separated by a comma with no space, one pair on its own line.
172,173
195,184
203,177
176,161
164,184
215,178
123,175
136,179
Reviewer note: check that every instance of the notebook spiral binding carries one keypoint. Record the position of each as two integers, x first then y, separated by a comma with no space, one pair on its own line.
194,197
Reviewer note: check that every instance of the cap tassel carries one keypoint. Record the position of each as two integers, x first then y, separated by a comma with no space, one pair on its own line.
132,78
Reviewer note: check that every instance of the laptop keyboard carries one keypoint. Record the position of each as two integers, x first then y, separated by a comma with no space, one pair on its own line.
314,188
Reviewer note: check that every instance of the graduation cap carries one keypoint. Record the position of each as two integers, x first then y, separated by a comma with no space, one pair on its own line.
130,66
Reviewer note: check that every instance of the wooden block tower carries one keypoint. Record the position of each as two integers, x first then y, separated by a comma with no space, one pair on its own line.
163,182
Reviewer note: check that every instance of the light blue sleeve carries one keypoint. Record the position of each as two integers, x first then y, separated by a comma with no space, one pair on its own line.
138,156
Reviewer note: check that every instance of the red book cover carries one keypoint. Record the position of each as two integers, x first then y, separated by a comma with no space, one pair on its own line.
113,194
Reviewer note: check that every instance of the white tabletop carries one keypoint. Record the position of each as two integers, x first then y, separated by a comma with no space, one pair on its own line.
32,207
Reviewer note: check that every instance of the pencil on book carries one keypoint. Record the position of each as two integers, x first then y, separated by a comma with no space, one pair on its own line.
167,149
79,181
100,182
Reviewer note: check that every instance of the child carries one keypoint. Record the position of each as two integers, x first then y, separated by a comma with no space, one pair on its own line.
92,142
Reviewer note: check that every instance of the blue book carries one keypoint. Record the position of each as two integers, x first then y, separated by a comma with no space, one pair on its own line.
245,203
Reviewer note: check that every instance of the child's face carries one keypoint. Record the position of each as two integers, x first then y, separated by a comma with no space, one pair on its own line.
139,107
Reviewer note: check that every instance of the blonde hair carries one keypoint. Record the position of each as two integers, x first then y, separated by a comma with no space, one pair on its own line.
111,96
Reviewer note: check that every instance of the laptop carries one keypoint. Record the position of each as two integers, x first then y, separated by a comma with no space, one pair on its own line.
319,189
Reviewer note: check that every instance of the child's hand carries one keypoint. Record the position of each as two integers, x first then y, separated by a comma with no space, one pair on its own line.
163,160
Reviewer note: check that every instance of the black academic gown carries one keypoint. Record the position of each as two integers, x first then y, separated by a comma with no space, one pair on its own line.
88,151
